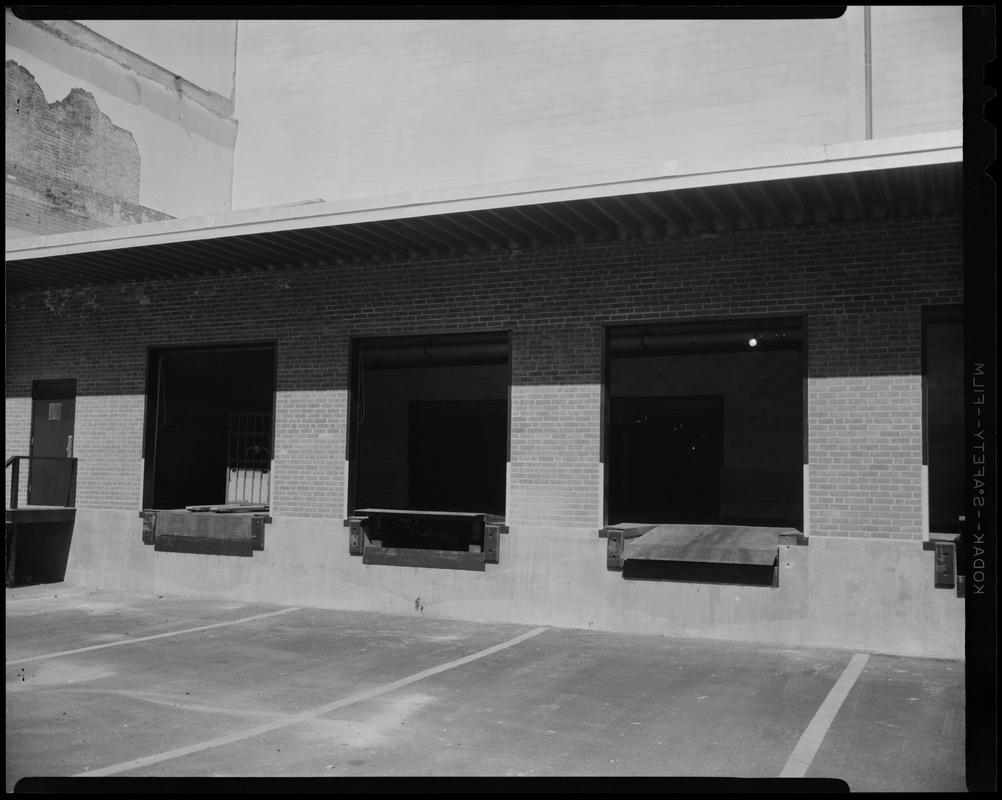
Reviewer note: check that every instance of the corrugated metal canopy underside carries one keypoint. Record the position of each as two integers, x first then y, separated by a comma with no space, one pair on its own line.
874,194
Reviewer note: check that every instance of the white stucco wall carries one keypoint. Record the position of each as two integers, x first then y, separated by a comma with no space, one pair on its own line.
341,109
203,51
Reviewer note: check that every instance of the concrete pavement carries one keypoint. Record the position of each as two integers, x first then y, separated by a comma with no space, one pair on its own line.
115,686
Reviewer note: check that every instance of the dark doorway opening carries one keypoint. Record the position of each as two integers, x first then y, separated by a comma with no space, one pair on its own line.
668,453
458,452
429,423
704,422
209,422
943,376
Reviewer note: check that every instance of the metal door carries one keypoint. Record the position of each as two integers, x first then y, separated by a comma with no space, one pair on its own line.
50,481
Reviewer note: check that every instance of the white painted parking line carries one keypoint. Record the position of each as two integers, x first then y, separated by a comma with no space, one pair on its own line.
12,598
803,754
138,639
302,716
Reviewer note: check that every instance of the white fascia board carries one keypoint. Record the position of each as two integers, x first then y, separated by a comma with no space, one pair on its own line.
849,157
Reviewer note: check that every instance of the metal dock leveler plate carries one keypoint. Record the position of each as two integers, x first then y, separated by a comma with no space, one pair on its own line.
219,531
715,553
442,539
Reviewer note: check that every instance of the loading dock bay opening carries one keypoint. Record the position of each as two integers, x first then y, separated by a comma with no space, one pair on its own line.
209,425
705,422
428,447
704,440
943,417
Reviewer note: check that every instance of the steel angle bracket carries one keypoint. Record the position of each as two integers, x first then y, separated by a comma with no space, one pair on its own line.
492,544
149,526
356,535
257,532
614,550
616,537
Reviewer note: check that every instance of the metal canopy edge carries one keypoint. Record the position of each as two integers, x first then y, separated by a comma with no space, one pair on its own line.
862,180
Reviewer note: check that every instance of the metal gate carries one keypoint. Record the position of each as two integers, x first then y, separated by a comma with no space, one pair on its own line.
248,459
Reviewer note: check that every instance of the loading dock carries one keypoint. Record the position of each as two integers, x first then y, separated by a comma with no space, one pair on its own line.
209,425
407,537
705,422
364,347
429,424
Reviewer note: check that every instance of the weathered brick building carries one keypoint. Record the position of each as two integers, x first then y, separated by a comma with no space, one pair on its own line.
666,317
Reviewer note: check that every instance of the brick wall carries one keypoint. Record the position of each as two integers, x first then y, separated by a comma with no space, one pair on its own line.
866,456
860,285
69,139
555,471
68,167
309,468
363,108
